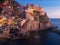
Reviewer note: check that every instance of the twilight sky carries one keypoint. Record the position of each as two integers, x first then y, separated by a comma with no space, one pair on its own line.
52,7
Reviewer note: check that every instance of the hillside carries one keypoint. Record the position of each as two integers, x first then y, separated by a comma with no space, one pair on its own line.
17,19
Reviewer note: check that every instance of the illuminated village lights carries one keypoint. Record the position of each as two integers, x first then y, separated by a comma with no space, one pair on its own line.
30,22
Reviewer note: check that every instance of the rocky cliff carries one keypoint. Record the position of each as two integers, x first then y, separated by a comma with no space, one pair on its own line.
17,20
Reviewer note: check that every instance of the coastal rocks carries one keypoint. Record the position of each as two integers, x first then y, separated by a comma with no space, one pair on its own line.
37,17
22,21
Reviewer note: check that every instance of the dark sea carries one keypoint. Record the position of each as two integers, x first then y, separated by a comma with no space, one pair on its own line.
55,22
45,38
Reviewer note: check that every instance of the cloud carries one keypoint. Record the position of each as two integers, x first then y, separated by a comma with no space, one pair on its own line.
53,12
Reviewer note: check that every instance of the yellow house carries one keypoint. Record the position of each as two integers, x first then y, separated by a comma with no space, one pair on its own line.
30,10
2,20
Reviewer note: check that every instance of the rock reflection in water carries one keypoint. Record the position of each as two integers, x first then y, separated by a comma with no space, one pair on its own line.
46,38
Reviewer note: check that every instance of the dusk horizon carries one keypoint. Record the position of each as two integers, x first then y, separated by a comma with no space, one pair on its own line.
29,22
52,7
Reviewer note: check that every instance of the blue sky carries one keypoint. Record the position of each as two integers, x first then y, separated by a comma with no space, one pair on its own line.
52,7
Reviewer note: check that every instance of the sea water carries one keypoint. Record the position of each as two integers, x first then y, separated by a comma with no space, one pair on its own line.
46,38
55,22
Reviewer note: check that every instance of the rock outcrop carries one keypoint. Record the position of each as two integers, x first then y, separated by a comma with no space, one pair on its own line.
18,21
37,17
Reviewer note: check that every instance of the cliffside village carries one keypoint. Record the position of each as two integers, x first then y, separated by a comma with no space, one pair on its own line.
22,18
